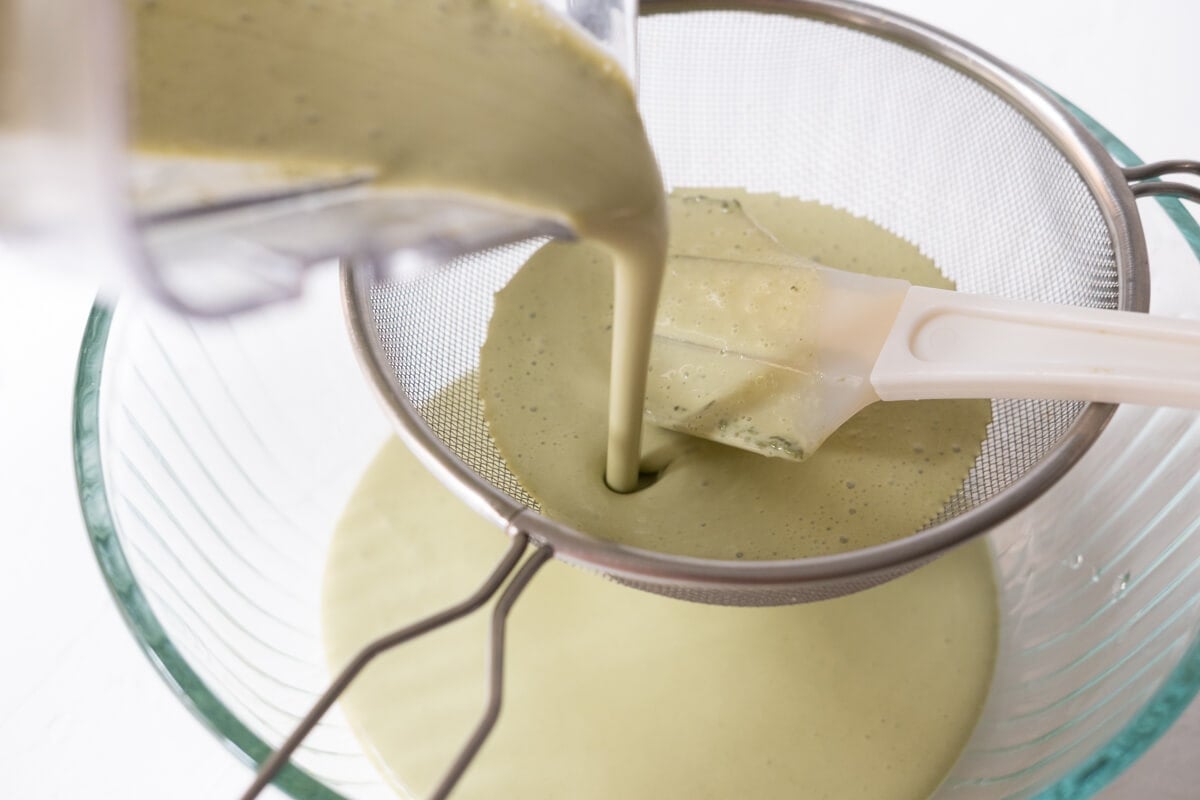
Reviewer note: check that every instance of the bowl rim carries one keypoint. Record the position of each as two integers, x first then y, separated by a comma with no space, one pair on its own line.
1088,777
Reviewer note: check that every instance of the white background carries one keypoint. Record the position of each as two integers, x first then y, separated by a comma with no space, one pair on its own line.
82,712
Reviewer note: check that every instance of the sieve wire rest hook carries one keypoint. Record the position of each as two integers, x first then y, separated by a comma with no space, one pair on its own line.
495,664
1143,180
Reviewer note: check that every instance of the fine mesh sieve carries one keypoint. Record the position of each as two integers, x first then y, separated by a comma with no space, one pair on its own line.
830,101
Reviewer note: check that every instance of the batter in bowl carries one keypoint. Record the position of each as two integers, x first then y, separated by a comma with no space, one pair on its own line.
615,693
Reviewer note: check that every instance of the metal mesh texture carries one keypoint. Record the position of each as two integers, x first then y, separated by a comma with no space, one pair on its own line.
778,103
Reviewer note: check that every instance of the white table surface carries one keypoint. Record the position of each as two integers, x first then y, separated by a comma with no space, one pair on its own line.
83,714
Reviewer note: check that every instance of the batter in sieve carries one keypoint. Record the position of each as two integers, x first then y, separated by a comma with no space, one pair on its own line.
543,383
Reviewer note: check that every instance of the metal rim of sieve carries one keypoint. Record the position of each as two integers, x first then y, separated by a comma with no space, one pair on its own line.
1110,189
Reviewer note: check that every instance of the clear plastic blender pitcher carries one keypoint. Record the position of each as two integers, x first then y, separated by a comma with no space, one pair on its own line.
204,235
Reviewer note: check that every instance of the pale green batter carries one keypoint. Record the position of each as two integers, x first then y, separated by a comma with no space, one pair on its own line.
543,383
614,693
497,99
466,95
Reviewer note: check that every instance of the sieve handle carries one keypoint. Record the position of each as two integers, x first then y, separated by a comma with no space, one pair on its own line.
496,641
1144,179
944,344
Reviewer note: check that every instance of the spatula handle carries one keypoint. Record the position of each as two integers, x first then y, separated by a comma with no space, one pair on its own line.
949,345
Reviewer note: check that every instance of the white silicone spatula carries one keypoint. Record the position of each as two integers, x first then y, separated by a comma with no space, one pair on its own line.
857,340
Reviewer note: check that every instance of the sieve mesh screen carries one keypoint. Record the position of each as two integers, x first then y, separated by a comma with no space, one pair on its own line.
803,108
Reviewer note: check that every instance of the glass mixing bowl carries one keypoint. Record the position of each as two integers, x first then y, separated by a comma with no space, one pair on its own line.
214,458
